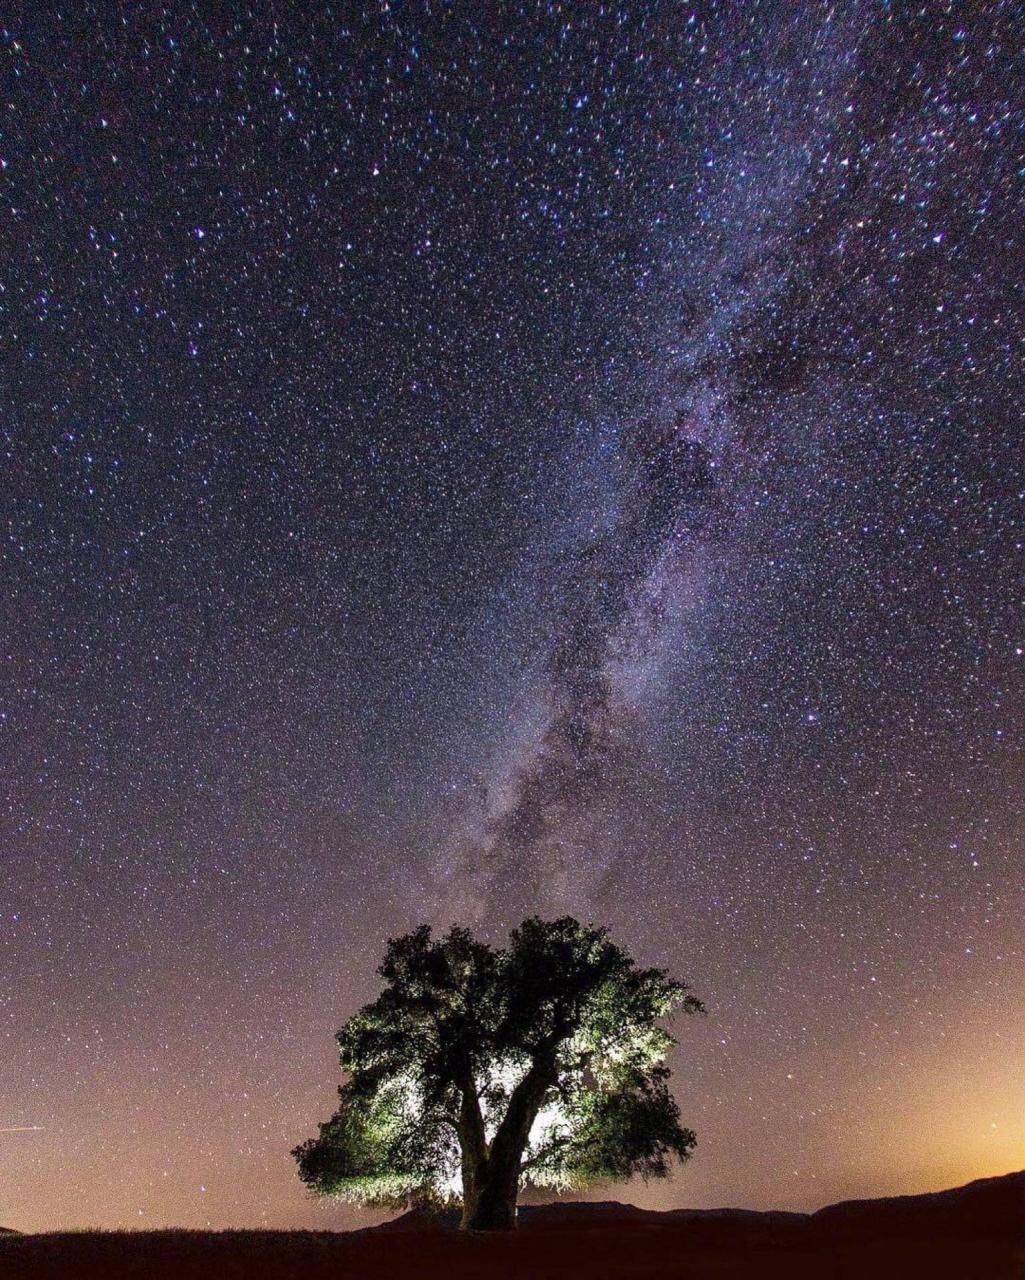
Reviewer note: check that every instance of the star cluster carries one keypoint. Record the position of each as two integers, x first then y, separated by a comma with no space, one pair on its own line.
467,460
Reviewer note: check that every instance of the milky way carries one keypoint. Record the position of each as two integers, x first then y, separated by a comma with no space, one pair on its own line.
461,463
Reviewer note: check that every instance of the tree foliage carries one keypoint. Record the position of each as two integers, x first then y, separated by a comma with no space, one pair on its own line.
479,1070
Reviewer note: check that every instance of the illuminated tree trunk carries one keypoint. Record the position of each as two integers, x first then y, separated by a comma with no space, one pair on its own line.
473,1148
496,1180
471,1200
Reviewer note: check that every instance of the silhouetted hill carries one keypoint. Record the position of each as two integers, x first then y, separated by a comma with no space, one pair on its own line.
988,1206
976,1232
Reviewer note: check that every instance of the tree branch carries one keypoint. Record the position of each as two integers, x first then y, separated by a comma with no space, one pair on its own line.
549,1149
471,1130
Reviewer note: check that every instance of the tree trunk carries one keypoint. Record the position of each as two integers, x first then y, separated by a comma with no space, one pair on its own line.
495,1208
473,1149
471,1202
496,1180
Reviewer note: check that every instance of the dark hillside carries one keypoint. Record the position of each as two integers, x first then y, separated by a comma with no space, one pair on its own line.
975,1232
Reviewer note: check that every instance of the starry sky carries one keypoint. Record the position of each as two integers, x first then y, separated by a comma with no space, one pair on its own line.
463,460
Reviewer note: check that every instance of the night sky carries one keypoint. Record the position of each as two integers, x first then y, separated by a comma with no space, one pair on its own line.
462,460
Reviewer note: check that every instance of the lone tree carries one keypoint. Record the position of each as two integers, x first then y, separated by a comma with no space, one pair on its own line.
477,1071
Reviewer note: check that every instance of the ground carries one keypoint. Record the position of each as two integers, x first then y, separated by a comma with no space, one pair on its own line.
972,1233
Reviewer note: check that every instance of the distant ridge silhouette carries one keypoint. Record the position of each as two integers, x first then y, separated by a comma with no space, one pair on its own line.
974,1232
986,1206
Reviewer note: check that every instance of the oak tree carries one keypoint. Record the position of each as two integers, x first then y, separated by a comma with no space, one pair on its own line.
478,1071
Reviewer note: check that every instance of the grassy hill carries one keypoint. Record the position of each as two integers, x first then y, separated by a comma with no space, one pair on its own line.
975,1232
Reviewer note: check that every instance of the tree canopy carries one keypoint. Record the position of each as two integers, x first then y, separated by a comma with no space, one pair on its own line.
480,1070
